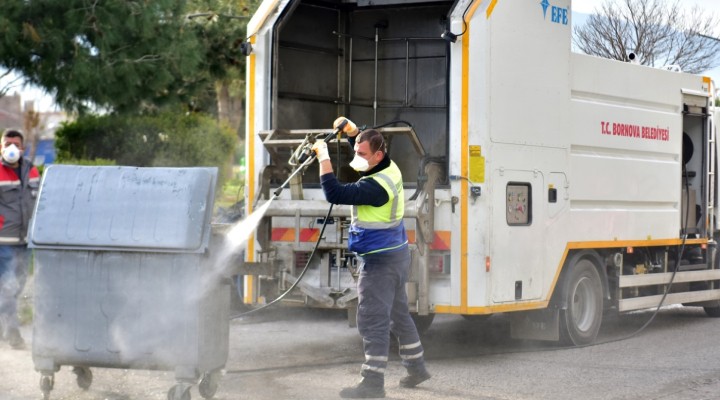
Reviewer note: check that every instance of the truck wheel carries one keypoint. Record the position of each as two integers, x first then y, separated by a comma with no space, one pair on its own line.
580,320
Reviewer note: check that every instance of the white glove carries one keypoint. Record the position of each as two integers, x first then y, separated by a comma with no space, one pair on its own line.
321,150
350,128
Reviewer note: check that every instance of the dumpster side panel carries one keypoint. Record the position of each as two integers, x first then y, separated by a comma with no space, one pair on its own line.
129,310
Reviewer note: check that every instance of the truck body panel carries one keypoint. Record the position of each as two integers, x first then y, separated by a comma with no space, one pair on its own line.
526,161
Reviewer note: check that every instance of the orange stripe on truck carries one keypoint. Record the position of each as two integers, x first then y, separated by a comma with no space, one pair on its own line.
441,241
288,235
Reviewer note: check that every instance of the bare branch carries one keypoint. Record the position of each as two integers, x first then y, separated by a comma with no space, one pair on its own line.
658,32
13,82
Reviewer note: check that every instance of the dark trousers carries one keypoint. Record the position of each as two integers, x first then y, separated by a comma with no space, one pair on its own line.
13,274
383,308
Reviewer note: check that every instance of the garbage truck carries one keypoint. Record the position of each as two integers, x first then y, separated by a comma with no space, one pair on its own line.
551,186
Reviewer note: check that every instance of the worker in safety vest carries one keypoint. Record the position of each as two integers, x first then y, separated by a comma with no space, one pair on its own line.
378,238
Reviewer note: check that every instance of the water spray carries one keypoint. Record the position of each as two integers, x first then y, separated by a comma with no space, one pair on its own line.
300,159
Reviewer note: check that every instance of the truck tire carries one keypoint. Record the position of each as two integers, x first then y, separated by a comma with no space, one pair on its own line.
581,318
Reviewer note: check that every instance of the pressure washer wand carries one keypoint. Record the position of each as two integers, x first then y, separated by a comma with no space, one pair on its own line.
310,159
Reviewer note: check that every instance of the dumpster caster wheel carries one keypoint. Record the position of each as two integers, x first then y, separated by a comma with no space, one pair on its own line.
179,392
84,377
209,384
47,381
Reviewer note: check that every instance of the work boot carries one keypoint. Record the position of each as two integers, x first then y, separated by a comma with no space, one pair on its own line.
14,339
416,376
370,387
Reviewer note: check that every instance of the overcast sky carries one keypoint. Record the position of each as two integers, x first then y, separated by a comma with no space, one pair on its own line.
587,6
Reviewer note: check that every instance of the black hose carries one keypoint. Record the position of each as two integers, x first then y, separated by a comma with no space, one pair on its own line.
395,122
312,157
299,278
667,288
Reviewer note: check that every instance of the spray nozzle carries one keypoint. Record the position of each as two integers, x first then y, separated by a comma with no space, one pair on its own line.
309,141
303,151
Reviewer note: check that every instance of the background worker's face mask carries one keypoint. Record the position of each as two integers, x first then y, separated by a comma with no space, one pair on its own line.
11,154
359,164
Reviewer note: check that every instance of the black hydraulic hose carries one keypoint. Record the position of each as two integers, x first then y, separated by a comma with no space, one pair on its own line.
667,288
306,162
395,122
629,336
639,330
299,278
420,182
308,159
327,139
626,337
655,312
657,309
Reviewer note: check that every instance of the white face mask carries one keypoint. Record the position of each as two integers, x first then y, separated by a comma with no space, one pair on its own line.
359,164
11,154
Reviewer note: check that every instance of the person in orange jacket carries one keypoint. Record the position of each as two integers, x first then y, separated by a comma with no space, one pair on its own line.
19,182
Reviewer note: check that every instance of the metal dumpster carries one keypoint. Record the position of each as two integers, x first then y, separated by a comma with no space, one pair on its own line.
124,275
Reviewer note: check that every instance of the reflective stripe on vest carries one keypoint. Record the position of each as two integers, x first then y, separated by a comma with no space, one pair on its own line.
387,215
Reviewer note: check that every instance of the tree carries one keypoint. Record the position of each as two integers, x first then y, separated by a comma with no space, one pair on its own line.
660,34
8,82
33,124
130,56
116,54
164,139
220,26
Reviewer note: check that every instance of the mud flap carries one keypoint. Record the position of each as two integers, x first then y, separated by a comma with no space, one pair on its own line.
536,325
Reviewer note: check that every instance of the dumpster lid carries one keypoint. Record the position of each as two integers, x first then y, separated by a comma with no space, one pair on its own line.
124,208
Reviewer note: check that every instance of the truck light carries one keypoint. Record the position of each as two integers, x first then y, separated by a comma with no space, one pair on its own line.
630,250
487,264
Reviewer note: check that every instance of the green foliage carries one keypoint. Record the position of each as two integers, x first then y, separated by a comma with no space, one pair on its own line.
162,140
232,192
122,55
111,53
93,162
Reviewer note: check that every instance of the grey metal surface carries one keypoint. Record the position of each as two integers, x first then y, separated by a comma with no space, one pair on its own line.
319,208
124,208
328,63
125,275
129,310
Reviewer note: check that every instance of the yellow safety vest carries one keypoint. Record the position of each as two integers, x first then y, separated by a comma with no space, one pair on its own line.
377,229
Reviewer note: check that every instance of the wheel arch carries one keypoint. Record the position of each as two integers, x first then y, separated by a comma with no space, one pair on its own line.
559,299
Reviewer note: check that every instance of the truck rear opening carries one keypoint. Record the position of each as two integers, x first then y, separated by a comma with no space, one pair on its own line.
377,62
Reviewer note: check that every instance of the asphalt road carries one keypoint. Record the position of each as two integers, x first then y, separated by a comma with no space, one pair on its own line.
312,354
